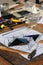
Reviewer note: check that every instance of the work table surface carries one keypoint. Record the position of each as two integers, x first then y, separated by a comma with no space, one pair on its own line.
12,58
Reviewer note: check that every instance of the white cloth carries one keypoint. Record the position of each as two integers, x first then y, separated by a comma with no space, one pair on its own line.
35,10
7,37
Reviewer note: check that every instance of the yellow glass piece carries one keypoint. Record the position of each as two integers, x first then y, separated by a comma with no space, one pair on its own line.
15,20
2,26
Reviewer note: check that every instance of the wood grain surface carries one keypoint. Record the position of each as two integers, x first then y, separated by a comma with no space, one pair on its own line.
8,29
4,61
39,28
16,59
41,42
17,26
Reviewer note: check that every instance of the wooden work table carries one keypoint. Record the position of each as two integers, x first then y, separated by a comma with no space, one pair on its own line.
38,27
14,58
7,29
10,56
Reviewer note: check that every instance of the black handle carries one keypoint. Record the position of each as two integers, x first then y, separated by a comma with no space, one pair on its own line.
32,54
